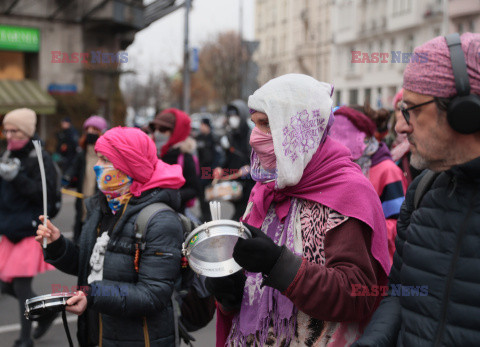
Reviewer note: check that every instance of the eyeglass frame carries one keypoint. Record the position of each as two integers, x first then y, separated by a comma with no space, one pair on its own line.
406,111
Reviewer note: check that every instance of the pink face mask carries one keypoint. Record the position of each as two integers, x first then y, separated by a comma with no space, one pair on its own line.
15,145
262,144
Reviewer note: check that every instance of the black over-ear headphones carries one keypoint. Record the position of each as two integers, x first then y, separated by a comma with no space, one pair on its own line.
463,112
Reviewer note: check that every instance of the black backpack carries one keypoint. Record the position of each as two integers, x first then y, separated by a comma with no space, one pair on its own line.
194,306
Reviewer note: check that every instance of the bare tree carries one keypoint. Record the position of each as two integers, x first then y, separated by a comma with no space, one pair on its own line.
221,63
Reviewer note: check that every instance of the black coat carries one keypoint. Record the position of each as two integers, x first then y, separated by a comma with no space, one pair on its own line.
438,247
21,200
146,303
191,189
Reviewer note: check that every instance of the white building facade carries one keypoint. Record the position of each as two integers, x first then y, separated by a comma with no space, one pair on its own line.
360,46
295,37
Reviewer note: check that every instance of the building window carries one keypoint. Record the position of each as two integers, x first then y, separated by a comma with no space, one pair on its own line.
353,97
379,97
368,95
338,97
471,26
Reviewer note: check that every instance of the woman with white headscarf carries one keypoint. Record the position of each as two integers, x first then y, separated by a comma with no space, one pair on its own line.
317,224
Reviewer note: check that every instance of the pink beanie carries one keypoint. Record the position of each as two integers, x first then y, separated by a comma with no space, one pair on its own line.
97,122
432,73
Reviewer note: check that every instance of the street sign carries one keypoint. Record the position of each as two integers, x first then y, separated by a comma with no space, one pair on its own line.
194,59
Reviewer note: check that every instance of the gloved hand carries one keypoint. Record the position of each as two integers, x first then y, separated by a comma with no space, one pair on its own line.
228,291
258,254
9,169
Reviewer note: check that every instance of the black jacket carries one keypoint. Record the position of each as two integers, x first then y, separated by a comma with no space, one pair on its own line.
21,200
437,247
191,189
145,306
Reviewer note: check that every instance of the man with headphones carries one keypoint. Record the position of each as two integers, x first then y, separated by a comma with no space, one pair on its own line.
434,283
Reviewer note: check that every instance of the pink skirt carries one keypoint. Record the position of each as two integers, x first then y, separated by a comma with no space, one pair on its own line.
22,259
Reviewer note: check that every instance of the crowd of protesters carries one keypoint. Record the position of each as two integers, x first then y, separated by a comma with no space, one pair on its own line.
341,202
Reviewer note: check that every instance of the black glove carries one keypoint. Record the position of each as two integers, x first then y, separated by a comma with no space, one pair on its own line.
258,254
228,291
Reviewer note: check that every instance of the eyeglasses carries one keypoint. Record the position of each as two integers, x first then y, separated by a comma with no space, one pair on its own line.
406,111
11,131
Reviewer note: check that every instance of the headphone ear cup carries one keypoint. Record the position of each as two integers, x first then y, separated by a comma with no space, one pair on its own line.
463,114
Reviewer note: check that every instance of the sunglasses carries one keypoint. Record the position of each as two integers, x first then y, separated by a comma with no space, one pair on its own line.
161,129
406,111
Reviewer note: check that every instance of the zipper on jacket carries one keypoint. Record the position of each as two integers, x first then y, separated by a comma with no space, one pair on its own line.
454,181
451,272
145,332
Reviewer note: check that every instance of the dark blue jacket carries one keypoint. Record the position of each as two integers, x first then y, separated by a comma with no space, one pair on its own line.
132,306
437,247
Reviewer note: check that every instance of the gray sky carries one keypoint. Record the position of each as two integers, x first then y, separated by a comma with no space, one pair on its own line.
160,46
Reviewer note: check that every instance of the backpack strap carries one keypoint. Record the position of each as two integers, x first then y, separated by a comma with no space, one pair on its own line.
423,187
141,223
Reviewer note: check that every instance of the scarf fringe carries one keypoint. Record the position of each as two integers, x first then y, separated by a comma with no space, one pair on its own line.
283,328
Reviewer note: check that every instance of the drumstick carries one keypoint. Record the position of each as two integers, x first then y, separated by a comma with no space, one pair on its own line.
72,193
38,150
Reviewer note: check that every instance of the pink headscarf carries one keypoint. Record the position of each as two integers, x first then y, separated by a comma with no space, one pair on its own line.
131,151
432,74
333,180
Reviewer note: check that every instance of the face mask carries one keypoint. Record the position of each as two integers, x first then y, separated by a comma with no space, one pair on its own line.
160,139
114,184
262,144
90,139
234,121
15,145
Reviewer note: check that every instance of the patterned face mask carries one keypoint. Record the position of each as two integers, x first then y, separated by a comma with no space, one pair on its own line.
114,184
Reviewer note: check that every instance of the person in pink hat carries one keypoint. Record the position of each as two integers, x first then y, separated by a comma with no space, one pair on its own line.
21,203
356,131
434,296
401,147
127,286
81,174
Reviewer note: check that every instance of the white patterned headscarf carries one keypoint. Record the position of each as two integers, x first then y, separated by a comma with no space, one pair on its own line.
298,108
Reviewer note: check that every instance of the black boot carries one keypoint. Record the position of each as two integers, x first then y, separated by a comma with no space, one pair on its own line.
23,343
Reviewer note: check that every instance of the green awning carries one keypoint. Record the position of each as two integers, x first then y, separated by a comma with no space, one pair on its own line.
25,93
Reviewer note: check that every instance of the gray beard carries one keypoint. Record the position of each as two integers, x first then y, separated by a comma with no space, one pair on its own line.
418,162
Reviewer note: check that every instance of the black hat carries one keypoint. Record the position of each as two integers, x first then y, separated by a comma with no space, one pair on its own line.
206,121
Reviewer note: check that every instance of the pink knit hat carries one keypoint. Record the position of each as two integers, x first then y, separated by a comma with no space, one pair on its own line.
434,75
97,122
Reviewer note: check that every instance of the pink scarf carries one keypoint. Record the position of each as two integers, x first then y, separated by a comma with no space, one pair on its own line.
131,151
333,180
